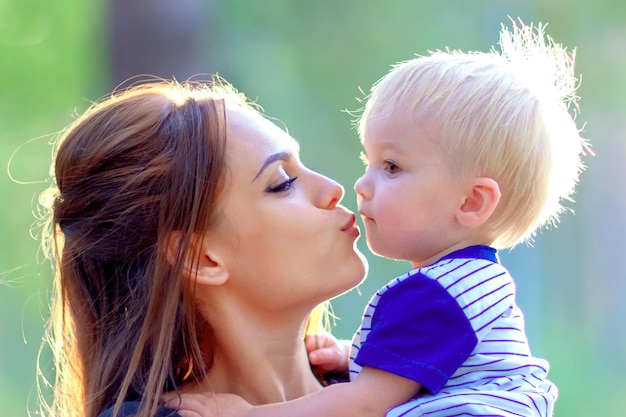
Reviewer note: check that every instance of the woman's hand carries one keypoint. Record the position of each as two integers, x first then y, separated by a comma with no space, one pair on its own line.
208,405
328,354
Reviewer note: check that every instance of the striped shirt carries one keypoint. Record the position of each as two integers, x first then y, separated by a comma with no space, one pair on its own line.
454,328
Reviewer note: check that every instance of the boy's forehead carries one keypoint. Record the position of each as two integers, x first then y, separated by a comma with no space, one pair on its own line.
394,133
395,123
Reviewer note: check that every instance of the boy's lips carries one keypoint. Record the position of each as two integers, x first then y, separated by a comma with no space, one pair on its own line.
365,216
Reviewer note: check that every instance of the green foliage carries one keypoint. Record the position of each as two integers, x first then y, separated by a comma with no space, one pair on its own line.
51,59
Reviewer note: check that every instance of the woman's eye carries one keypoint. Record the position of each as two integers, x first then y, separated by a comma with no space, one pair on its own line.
391,167
283,186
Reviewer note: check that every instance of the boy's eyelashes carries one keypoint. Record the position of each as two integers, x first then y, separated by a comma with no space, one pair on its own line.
390,166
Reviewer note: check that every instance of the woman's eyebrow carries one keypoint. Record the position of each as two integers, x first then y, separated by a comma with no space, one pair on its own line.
280,156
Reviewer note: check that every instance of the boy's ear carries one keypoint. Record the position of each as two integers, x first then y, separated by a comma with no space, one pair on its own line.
202,262
480,202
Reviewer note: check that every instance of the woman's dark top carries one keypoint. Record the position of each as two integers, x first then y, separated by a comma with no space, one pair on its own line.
129,409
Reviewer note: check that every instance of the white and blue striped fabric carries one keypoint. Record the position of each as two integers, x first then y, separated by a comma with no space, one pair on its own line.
461,336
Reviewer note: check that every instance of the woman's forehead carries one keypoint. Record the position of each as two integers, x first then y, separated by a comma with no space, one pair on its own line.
247,126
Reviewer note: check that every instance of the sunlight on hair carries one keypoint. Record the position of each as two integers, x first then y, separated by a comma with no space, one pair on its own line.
179,95
547,70
544,65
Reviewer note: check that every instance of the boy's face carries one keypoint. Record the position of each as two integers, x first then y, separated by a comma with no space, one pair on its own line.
408,196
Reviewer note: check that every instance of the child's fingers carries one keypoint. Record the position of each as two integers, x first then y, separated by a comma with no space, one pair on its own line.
208,405
327,353
327,359
193,405
311,343
318,341
324,356
188,413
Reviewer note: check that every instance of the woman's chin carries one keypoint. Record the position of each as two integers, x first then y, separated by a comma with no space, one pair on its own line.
357,272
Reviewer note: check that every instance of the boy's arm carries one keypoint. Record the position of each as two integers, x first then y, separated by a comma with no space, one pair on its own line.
371,394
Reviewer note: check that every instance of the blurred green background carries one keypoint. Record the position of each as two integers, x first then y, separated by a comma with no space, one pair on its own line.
306,63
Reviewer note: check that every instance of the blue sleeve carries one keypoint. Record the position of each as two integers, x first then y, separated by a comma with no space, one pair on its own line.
419,332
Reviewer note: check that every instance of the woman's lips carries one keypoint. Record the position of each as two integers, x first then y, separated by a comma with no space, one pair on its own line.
351,228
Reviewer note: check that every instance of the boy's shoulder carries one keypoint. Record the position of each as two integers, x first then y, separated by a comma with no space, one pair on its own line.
458,271
462,261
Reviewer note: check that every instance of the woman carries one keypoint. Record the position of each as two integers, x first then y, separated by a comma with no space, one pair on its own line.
191,246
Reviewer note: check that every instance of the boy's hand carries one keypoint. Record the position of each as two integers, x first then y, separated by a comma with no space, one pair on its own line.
328,354
208,405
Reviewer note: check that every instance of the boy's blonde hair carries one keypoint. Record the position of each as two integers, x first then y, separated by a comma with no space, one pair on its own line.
503,115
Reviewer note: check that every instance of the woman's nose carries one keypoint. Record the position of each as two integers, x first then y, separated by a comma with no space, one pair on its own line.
331,192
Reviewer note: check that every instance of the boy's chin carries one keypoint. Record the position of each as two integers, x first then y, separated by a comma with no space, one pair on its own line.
378,251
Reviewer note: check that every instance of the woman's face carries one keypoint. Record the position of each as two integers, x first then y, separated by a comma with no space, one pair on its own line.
285,240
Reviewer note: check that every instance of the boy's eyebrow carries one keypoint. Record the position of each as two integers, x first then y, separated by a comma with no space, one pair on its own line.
280,156
390,143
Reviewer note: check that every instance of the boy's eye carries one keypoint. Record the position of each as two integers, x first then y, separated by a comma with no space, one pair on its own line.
283,186
391,167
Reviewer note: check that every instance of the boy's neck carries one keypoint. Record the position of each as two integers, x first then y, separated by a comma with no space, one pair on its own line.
466,243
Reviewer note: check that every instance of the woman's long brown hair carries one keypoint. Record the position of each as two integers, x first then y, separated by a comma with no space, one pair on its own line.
133,170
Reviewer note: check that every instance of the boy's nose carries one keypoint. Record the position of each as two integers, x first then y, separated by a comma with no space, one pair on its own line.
361,188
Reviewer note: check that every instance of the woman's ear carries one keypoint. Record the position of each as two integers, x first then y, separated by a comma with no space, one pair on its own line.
202,262
480,202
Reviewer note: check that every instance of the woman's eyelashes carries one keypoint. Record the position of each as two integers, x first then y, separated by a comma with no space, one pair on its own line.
283,186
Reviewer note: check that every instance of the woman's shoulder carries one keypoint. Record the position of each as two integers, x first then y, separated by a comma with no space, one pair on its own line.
130,408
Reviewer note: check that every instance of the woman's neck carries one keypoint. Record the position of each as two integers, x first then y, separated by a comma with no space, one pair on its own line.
262,359
263,374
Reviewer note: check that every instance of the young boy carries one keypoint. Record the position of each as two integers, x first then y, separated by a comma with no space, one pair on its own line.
466,153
